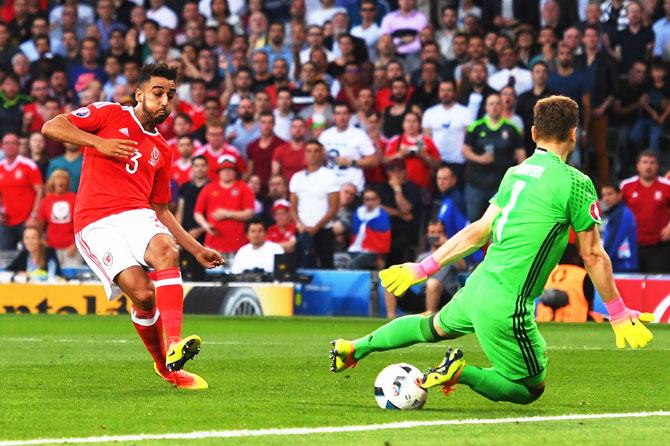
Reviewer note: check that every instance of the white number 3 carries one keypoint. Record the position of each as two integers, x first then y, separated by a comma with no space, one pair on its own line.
135,162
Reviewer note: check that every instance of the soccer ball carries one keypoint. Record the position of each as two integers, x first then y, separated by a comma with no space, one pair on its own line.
396,387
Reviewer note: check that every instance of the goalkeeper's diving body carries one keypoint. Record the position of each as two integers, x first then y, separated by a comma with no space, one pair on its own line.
528,221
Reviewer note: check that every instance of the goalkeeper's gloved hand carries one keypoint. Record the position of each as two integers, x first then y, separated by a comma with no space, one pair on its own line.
398,278
628,325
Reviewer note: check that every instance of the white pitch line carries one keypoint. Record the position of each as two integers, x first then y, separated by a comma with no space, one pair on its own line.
328,429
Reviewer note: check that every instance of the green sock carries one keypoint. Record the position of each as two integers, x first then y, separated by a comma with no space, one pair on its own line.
401,332
492,385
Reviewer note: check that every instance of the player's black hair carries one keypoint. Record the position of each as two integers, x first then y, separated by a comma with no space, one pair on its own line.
199,157
157,70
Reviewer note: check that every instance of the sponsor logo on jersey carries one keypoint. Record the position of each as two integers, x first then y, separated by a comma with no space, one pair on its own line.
155,155
107,259
82,112
124,131
594,211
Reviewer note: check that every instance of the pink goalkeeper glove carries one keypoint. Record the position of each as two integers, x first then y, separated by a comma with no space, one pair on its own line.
398,278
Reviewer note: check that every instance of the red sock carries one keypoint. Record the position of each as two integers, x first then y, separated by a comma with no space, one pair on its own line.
170,301
150,328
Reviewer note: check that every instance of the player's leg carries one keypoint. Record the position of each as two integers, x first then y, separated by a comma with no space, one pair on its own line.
401,332
162,254
513,345
391,305
145,316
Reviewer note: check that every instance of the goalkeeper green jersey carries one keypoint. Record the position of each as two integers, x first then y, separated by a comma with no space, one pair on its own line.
539,200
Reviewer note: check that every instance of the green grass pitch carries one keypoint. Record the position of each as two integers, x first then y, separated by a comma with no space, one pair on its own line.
83,376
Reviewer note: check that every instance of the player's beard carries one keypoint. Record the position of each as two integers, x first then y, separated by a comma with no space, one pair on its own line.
155,116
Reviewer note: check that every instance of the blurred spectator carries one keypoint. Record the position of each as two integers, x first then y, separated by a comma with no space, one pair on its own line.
426,93
280,79
259,253
215,148
55,215
376,175
350,85
324,14
71,162
276,47
633,43
368,30
343,221
162,14
39,27
655,110
11,104
321,110
404,25
366,106
181,167
289,158
283,231
474,93
106,23
7,47
448,32
450,209
371,233
81,75
446,124
113,70
356,48
242,84
430,51
315,42
33,112
620,233
283,114
348,149
402,201
188,196
35,262
38,152
571,82
614,13
394,70
245,128
314,202
662,34
261,150
492,145
195,107
223,207
631,94
20,193
476,54
440,287
394,114
600,73
181,126
417,150
546,41
510,74
260,63
508,98
648,196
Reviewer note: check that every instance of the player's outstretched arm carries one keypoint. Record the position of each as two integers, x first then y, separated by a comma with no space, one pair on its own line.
61,129
627,324
207,257
398,278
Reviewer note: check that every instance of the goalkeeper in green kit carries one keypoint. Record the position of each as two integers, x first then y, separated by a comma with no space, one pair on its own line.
528,221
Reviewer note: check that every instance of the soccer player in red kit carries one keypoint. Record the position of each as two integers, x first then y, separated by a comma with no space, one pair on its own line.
121,219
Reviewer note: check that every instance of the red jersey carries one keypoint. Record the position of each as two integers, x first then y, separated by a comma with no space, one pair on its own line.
230,235
377,175
650,205
33,109
383,98
262,158
195,112
291,161
17,188
418,171
181,171
110,185
281,235
213,159
57,212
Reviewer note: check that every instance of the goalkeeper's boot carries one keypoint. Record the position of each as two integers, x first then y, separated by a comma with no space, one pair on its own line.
182,379
342,355
181,351
446,374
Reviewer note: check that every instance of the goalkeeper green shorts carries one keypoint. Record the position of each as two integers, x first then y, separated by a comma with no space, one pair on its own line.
505,326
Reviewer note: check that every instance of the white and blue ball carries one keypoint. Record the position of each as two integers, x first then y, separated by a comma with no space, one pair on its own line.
396,387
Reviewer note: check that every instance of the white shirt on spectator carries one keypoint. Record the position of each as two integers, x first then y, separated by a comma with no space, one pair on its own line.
248,257
353,143
448,127
305,54
321,16
282,126
312,189
523,80
164,16
371,35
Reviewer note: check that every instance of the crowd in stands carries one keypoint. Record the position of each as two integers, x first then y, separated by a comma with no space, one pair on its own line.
352,133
